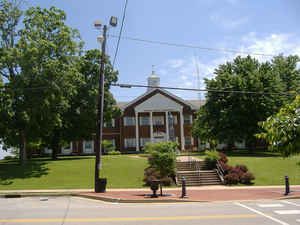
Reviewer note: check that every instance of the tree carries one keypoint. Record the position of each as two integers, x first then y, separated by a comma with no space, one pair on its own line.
229,117
38,62
162,157
282,130
79,119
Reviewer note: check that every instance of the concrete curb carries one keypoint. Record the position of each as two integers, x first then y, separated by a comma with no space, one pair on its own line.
119,200
34,194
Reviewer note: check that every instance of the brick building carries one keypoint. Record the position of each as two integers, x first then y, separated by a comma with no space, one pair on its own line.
157,115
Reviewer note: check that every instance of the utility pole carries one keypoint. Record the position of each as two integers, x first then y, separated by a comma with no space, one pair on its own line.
100,184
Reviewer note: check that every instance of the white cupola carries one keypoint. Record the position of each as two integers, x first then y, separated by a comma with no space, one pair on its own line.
153,80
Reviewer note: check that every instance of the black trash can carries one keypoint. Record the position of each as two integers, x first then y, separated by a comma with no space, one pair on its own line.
100,185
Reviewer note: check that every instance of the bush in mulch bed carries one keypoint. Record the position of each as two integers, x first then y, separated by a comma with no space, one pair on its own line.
237,174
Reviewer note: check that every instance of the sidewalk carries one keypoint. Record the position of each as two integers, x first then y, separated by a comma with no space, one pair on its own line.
194,194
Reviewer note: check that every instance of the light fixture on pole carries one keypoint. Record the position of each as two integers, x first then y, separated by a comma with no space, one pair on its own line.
100,183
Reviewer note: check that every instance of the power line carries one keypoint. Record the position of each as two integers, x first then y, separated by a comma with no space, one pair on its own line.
190,46
172,88
120,34
206,90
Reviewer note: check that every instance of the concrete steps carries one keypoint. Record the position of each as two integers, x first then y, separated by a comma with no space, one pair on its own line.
196,174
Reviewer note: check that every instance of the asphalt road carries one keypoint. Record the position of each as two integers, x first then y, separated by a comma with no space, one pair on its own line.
73,210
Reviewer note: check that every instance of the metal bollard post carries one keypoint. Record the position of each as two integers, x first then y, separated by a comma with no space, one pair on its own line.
183,190
287,185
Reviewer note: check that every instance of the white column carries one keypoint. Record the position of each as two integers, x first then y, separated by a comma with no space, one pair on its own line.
181,130
137,132
192,139
151,128
167,125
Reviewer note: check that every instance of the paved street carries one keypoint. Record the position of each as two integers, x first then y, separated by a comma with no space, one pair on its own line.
74,210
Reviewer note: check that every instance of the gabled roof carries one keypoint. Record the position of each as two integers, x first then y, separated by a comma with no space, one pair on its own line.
124,105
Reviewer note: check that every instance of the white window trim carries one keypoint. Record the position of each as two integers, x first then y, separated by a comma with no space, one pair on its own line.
148,122
130,146
67,151
158,118
112,124
90,151
126,123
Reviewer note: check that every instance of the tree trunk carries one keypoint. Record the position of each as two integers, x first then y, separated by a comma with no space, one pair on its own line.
54,152
23,158
55,144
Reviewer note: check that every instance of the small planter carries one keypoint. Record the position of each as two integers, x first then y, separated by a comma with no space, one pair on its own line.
154,187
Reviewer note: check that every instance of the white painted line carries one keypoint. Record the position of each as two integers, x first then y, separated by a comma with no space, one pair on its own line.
298,221
262,214
287,212
291,203
269,205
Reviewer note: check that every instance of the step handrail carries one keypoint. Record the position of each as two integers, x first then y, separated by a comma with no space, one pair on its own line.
220,171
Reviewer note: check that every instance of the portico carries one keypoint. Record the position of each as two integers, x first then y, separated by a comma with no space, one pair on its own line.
163,105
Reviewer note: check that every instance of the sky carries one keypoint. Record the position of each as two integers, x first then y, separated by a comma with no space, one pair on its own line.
269,27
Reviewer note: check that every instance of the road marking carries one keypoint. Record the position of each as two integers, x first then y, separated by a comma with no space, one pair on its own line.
291,203
47,220
262,214
269,205
287,212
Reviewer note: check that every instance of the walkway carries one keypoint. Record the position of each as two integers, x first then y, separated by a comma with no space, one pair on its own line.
198,194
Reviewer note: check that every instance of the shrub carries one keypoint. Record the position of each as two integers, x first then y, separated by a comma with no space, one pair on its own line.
237,171
211,158
107,146
149,175
166,181
242,168
114,153
226,167
231,178
9,157
223,157
247,178
162,157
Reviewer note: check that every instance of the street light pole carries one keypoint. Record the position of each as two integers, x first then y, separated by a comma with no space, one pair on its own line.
100,184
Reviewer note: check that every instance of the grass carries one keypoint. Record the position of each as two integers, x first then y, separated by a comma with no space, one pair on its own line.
267,167
126,171
121,171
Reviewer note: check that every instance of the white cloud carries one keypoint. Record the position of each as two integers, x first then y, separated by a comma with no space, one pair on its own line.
183,72
188,84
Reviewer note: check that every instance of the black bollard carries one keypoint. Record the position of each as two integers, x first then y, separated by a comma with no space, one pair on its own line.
287,185
183,191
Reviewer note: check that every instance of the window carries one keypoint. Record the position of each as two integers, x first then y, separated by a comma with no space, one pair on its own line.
187,119
109,124
144,141
188,141
88,147
158,120
130,143
144,121
129,121
88,144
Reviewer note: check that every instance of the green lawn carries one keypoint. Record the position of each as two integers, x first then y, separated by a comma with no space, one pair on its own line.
268,168
122,171
126,171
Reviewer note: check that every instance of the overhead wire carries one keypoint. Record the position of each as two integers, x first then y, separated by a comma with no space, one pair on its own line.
190,46
120,34
206,90
176,88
